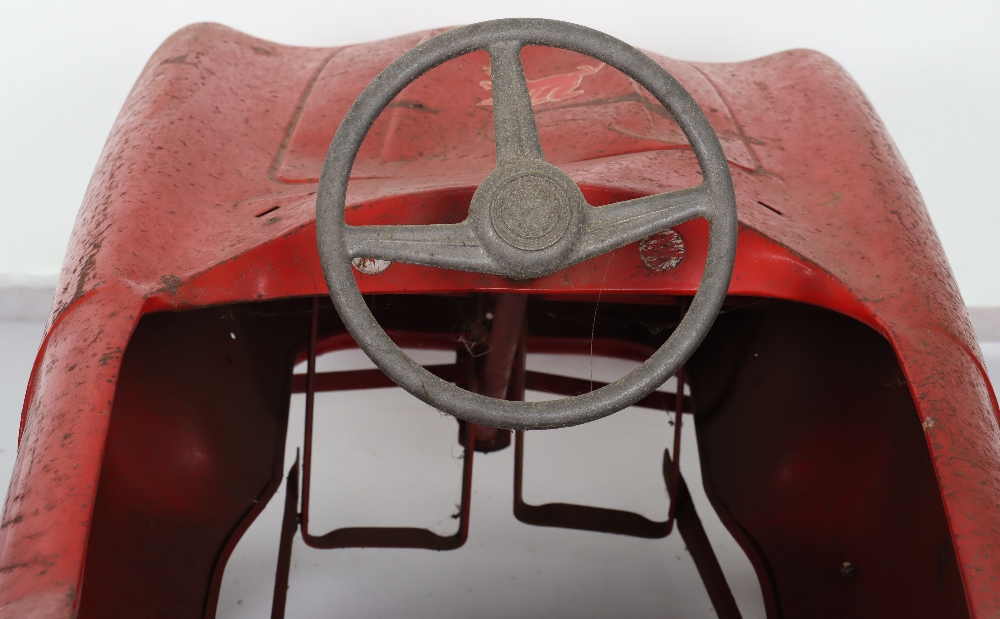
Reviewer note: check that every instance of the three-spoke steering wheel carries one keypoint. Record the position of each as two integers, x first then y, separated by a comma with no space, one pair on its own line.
527,219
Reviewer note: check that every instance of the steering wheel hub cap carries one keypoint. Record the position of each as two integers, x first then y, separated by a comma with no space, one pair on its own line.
530,213
528,216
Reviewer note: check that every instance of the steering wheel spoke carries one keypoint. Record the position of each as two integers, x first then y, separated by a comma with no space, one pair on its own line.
619,224
449,246
513,119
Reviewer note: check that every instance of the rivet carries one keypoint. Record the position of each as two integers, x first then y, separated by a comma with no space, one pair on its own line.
848,570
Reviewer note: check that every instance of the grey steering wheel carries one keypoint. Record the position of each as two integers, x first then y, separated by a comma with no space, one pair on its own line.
527,219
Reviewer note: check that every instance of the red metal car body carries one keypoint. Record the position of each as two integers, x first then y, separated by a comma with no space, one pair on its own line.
841,402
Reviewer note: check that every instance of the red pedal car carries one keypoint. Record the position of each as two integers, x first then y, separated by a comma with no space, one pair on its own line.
516,187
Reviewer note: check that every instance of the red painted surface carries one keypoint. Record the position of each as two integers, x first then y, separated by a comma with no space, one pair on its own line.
221,128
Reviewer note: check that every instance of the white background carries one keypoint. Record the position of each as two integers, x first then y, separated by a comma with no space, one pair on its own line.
932,70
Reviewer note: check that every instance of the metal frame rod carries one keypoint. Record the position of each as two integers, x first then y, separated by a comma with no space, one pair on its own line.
372,537
289,524
700,548
349,380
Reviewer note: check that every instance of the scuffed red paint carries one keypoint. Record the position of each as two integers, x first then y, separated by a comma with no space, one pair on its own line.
217,133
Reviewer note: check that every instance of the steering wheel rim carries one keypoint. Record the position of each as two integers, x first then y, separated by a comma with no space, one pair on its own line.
518,154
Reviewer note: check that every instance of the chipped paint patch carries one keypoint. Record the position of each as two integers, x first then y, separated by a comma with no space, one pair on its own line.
108,356
929,423
170,284
663,251
370,266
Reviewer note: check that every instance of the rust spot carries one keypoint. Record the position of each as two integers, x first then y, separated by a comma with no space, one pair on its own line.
16,519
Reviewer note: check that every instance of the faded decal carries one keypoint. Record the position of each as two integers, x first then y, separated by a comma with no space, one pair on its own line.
370,266
663,251
552,88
